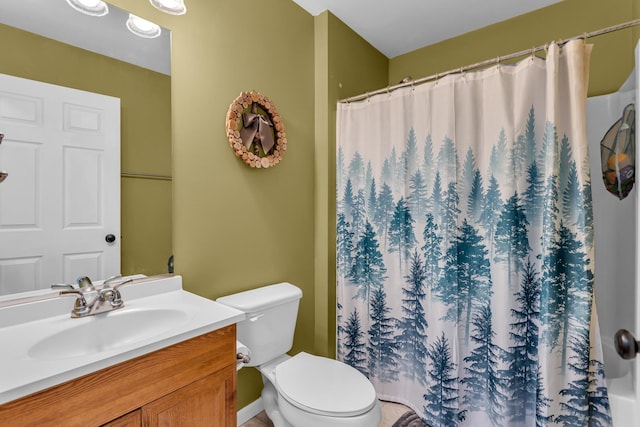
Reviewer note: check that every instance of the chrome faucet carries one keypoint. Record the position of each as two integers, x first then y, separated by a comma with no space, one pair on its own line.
91,300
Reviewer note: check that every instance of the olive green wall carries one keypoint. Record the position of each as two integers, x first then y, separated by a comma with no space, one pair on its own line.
234,227
145,98
612,57
345,65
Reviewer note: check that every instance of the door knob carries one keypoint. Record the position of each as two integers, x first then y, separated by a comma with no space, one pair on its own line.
110,238
626,344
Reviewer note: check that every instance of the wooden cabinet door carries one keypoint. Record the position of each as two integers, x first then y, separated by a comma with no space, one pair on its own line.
132,419
209,402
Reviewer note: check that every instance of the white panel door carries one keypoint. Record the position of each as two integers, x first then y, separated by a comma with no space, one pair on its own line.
62,197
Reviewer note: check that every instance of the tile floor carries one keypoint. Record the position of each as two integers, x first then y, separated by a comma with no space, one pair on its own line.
390,413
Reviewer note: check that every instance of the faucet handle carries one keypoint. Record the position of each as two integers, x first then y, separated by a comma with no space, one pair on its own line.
124,282
62,286
80,307
117,285
116,301
106,281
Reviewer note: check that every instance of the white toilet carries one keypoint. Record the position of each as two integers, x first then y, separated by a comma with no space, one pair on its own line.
302,390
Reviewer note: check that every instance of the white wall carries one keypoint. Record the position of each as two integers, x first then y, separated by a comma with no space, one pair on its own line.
616,258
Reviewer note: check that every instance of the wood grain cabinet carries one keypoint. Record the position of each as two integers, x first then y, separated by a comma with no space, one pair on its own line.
132,419
202,403
192,383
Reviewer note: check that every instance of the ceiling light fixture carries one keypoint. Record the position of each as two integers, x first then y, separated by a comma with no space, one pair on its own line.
90,7
173,7
143,28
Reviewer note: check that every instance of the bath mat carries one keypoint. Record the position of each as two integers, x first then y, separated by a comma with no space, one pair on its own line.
409,419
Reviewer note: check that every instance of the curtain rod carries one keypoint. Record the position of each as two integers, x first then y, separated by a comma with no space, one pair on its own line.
496,60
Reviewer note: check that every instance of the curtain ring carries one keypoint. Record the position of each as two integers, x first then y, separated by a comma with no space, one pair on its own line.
388,91
533,53
368,99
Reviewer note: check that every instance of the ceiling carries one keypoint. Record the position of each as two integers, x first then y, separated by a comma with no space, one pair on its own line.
395,27
106,35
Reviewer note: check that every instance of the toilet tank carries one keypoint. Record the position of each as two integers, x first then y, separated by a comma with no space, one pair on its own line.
271,319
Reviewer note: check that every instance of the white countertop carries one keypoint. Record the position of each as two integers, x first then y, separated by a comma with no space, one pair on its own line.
23,326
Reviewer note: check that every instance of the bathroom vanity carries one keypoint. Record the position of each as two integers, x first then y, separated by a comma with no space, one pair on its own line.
185,374
189,383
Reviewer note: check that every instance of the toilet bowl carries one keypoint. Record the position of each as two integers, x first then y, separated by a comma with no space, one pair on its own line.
302,390
314,391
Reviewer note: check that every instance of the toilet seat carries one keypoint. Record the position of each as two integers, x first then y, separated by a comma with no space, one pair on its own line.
324,386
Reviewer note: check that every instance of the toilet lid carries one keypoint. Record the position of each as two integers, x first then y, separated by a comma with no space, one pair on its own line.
324,386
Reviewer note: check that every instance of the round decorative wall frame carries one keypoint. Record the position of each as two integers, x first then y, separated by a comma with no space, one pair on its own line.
255,130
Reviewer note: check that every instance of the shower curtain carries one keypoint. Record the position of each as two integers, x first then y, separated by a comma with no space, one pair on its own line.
465,246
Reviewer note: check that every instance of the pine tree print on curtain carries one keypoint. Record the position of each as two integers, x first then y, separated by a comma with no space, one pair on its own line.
464,247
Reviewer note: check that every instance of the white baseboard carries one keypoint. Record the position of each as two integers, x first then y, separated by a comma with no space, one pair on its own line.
250,411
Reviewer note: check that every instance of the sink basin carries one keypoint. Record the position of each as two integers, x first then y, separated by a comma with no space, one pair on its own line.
42,346
107,331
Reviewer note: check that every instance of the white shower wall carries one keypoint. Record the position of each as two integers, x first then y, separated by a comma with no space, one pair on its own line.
616,252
